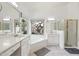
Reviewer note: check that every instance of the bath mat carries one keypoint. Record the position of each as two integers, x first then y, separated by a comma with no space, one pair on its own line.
42,52
72,50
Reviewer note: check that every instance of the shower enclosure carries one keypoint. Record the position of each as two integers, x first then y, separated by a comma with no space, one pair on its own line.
55,30
71,33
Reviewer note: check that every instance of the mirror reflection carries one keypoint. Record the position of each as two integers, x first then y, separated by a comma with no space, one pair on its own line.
17,26
23,26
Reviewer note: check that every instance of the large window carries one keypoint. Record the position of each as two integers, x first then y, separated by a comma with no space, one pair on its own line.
37,26
5,25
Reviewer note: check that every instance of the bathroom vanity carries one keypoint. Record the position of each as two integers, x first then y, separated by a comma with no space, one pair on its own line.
18,43
14,46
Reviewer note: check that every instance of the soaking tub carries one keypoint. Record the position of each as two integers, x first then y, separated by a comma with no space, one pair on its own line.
37,42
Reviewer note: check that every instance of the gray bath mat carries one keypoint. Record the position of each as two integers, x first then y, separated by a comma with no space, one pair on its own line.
72,50
42,52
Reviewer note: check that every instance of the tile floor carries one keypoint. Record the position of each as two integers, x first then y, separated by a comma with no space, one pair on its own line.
56,51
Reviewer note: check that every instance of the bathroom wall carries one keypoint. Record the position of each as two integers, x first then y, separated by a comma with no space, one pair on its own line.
44,10
73,10
48,11
59,11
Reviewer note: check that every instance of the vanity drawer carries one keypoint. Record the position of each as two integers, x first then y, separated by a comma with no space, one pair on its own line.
11,50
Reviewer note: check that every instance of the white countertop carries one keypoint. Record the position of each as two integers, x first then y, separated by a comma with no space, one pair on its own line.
7,41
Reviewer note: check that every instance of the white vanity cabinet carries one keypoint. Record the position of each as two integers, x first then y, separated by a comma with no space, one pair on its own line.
15,46
25,46
11,50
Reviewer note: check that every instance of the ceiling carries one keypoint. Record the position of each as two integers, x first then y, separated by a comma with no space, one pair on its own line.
30,8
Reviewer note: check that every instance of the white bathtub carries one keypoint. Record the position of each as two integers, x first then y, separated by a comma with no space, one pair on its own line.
37,42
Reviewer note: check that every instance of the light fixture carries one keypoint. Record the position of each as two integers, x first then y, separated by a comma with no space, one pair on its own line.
51,18
6,43
42,24
14,3
6,19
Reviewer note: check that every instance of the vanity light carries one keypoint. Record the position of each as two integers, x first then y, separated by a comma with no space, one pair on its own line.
6,43
51,18
14,3
6,19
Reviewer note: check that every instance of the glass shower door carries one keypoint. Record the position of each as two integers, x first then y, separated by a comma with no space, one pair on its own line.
71,40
